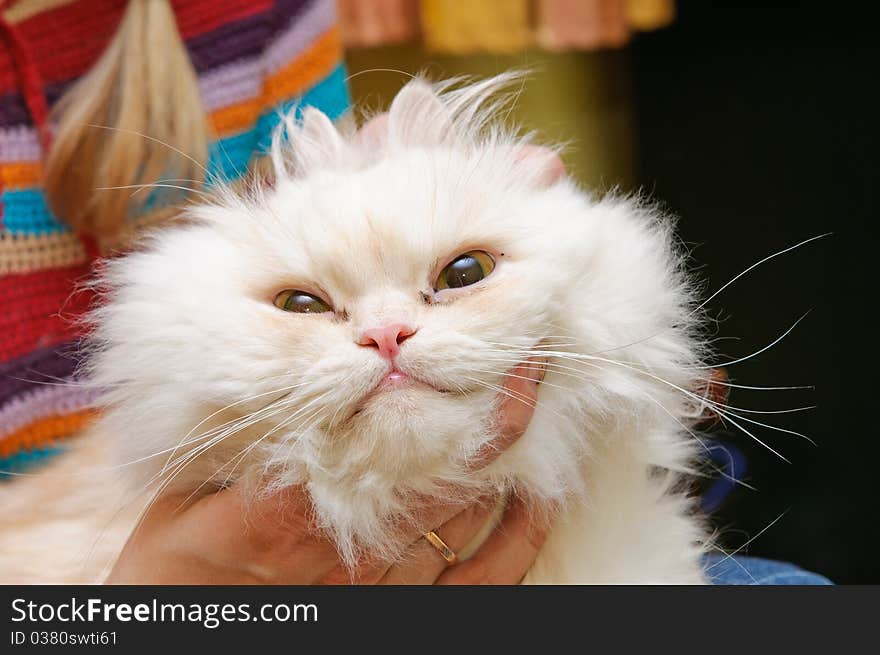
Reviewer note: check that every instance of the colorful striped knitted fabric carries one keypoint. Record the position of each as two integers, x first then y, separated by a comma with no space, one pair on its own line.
252,57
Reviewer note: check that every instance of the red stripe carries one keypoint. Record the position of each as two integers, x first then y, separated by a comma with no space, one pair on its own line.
40,308
66,41
197,17
29,75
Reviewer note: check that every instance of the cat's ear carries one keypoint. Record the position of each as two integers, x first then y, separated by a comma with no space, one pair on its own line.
418,117
317,143
302,146
374,132
545,165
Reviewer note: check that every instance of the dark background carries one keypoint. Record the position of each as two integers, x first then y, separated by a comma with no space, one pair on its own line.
758,127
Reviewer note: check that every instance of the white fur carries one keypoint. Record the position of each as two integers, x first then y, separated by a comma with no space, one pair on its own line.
189,341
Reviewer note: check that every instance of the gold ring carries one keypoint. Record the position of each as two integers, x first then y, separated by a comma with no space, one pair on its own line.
444,550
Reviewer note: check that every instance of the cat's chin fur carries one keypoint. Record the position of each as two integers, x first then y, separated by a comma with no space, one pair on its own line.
188,342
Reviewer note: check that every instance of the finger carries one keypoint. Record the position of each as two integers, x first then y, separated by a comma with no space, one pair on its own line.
423,563
514,411
508,553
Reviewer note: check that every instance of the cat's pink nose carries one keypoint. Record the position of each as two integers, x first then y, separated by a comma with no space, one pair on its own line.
387,338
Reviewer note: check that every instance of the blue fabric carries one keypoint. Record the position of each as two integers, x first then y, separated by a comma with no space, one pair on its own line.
732,471
25,459
230,156
724,570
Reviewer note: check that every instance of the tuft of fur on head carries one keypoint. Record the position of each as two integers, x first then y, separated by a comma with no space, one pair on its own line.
207,382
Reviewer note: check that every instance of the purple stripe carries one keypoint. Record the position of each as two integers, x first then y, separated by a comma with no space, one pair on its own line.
13,111
232,61
300,33
55,400
241,39
36,369
244,79
231,83
18,144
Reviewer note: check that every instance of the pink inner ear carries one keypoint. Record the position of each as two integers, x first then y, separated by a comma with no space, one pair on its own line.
371,131
552,168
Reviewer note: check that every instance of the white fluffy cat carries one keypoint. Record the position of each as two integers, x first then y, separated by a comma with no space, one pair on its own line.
239,345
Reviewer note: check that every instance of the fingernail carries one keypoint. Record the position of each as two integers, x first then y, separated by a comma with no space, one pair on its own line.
537,369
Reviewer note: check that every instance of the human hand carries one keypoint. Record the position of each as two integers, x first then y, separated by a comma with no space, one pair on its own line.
225,539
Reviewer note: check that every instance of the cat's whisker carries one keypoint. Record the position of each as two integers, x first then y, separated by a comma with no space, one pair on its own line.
758,388
287,389
341,406
756,265
538,349
671,415
179,467
134,496
297,414
705,403
507,392
768,426
515,395
276,407
107,469
208,174
713,540
307,422
702,444
520,377
380,70
713,404
237,426
525,354
236,459
702,401
746,544
716,293
765,348
182,461
59,382
156,185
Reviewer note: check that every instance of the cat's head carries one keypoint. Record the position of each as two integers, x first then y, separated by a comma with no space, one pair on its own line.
350,325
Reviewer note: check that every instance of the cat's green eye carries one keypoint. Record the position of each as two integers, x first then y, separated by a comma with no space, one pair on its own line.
293,300
464,270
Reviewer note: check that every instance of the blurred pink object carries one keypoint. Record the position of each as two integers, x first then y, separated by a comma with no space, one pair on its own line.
582,24
378,22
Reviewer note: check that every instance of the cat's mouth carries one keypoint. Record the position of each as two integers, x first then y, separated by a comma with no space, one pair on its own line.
398,380
395,381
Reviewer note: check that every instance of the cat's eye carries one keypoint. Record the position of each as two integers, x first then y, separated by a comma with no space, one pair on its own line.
294,300
464,270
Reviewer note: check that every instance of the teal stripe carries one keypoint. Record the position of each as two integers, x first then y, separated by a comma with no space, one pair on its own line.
229,157
24,211
24,460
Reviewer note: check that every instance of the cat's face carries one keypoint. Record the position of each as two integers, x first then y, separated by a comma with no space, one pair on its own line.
312,284
431,262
